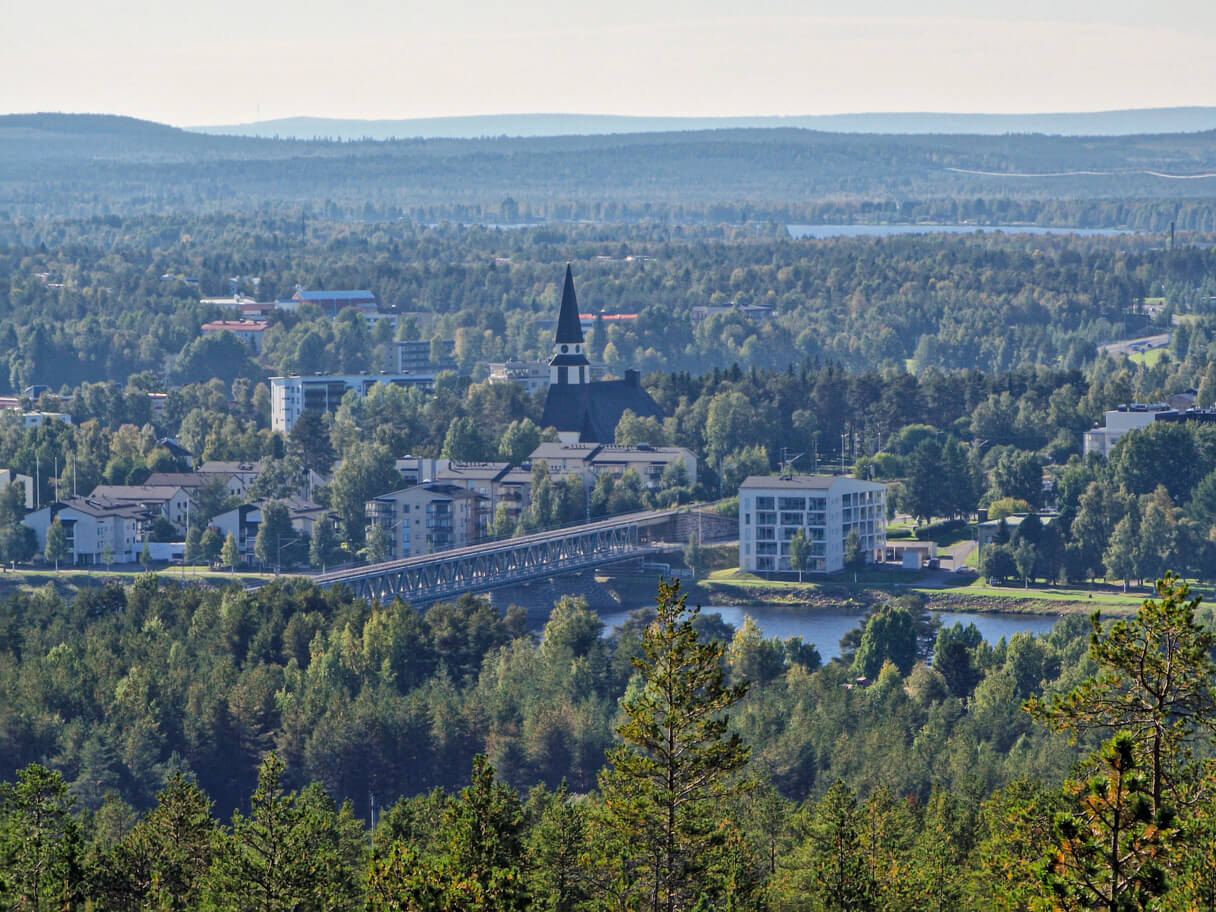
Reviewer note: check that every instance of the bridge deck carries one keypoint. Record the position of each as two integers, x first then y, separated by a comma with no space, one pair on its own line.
479,568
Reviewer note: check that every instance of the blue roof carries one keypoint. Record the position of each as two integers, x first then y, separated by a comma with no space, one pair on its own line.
335,295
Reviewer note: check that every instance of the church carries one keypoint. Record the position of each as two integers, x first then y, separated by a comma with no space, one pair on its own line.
583,411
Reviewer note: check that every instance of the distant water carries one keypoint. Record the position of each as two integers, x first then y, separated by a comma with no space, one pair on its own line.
829,231
825,628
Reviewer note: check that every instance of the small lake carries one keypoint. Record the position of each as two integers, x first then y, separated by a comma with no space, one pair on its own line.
853,231
825,628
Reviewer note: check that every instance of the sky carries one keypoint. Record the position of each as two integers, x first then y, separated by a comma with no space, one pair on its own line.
236,61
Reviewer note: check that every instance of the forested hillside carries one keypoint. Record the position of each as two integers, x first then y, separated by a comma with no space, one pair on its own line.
91,165
725,769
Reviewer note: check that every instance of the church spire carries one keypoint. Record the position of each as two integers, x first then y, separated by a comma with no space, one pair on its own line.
569,330
569,365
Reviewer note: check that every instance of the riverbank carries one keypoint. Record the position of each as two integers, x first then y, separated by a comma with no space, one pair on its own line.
745,590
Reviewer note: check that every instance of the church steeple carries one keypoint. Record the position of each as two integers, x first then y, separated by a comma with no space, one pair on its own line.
569,364
569,330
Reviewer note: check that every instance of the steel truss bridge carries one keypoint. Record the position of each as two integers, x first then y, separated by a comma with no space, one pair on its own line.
430,578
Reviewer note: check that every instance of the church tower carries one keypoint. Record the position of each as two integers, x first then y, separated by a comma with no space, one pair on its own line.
569,364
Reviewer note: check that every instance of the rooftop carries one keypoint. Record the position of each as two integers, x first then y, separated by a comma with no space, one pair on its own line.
136,493
802,482
102,507
359,295
236,326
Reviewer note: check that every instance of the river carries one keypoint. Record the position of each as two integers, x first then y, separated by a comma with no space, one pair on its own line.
853,231
825,628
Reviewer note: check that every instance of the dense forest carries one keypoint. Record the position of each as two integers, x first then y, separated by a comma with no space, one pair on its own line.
105,299
95,165
674,764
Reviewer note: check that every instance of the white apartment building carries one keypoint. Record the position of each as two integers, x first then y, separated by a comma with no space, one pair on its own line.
1118,423
428,518
92,524
170,500
826,508
291,396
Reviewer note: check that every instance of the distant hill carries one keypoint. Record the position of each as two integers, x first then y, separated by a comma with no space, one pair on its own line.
1093,123
85,165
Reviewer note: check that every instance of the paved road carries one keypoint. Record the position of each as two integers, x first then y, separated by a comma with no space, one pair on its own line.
1131,346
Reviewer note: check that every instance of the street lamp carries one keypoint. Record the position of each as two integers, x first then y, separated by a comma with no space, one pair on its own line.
278,559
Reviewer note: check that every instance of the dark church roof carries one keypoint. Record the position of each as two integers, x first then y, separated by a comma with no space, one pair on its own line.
595,409
569,329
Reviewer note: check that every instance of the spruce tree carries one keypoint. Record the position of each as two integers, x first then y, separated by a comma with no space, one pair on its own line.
668,784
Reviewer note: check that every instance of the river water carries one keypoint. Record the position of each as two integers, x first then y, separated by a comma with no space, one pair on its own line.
825,628
853,231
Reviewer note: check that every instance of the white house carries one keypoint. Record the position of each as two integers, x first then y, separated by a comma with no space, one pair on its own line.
92,524
826,508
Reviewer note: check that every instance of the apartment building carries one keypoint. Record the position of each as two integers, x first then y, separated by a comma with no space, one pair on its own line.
826,508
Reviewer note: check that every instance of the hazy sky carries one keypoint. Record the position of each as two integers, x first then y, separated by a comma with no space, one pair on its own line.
229,61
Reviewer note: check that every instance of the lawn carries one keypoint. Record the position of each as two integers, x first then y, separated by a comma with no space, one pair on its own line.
1148,358
79,576
1097,598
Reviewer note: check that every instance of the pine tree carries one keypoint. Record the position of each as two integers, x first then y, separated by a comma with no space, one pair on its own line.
555,844
840,875
1157,681
294,850
40,847
161,863
666,788
1110,852
482,868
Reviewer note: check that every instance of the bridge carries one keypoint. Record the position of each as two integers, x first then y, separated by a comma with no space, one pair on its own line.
430,578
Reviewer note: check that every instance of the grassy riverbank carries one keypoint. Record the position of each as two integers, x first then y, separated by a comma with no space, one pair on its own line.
735,587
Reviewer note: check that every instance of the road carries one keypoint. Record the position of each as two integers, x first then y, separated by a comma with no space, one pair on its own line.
1132,346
